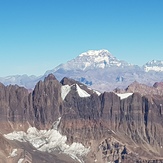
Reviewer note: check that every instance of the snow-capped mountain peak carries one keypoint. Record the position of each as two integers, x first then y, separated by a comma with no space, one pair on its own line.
95,53
96,59
92,59
99,69
155,62
154,65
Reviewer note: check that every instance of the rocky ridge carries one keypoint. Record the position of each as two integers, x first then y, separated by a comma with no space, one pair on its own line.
114,129
144,90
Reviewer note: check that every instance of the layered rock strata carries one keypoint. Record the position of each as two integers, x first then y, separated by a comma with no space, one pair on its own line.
115,129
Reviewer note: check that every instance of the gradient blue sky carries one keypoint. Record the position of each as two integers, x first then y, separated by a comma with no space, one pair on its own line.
37,35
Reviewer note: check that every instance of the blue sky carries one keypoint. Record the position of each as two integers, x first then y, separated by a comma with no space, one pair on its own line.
37,35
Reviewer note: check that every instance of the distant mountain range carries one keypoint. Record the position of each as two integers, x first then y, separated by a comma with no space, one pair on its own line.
98,69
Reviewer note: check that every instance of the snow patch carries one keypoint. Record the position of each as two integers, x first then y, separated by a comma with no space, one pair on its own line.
56,123
153,68
20,160
102,59
50,140
19,135
97,92
124,95
65,90
81,92
86,64
13,153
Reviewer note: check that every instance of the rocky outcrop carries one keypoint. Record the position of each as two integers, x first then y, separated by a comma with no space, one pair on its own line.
14,105
135,122
46,99
144,90
158,85
68,81
39,108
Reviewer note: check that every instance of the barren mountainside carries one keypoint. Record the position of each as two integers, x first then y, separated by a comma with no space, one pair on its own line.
68,122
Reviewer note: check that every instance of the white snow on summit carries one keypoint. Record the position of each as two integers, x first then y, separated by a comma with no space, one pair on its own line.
154,65
91,59
97,59
94,53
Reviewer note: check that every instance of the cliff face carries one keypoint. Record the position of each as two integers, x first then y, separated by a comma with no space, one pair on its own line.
96,121
39,108
14,106
136,121
46,99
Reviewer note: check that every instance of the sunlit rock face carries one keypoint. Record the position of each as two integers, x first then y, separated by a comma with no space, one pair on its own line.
101,123
46,101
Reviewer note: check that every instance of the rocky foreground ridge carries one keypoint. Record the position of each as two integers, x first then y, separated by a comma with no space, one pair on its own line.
110,127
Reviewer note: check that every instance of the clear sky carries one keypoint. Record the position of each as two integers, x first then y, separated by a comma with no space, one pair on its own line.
37,35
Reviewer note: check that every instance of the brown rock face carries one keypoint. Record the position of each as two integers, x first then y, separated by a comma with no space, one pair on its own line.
80,117
39,108
46,99
158,85
14,104
68,81
135,122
